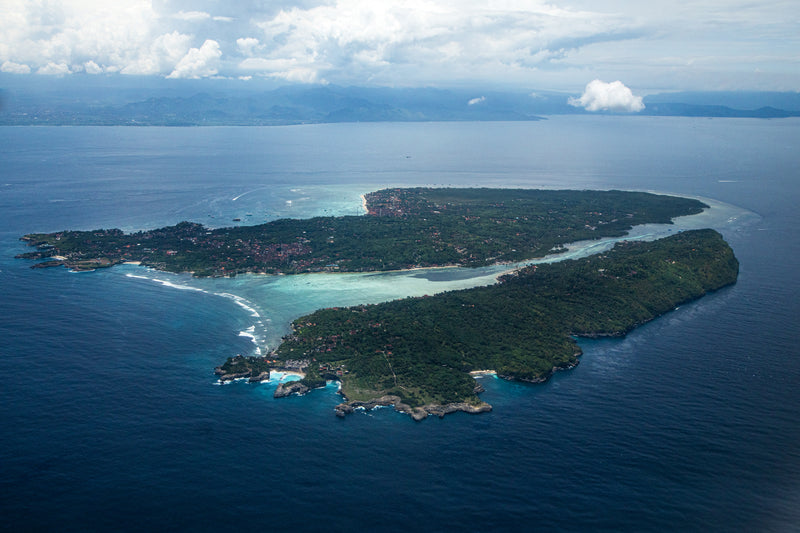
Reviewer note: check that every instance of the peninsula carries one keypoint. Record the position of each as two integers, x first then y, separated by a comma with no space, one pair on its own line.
420,354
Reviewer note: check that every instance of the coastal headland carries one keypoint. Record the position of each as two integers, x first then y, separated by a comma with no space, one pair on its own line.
418,354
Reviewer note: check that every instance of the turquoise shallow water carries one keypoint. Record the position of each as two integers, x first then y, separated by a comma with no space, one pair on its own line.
112,418
274,301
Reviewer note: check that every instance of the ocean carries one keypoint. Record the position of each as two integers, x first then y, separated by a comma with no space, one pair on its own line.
112,419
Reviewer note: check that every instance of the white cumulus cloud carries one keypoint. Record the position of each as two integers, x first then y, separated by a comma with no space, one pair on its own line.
198,62
161,54
477,100
92,68
553,44
14,68
247,45
394,41
602,96
54,69
138,37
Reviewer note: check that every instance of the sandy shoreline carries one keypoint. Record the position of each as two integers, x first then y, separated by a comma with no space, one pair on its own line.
301,375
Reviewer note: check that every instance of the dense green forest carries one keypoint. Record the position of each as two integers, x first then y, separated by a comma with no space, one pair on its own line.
417,227
422,349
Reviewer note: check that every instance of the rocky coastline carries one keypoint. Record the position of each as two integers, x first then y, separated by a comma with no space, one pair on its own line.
256,369
347,407
542,379
292,387
252,378
417,413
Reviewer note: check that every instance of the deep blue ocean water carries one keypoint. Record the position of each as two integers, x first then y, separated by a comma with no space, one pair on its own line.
112,419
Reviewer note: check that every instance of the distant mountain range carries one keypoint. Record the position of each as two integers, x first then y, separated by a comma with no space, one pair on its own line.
325,104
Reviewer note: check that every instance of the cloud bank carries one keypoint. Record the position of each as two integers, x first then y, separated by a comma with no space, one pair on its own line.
14,68
553,44
391,42
602,96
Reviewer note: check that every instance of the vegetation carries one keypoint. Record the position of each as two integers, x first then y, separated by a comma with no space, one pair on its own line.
419,227
255,368
422,349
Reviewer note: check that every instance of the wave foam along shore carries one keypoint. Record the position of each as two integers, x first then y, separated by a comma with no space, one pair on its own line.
166,283
241,302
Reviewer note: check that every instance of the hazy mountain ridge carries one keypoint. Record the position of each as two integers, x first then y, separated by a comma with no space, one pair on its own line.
325,104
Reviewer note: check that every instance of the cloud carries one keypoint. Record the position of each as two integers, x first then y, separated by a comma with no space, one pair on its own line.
286,69
14,68
132,37
61,36
393,41
54,69
614,96
198,62
477,100
191,16
162,54
247,45
554,44
92,68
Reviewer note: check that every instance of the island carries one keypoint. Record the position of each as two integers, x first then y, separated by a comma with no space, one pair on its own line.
421,354
403,228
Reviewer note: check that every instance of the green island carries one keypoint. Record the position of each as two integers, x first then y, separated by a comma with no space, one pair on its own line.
403,228
421,354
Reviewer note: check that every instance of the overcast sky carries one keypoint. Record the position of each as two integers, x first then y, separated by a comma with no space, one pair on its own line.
649,45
